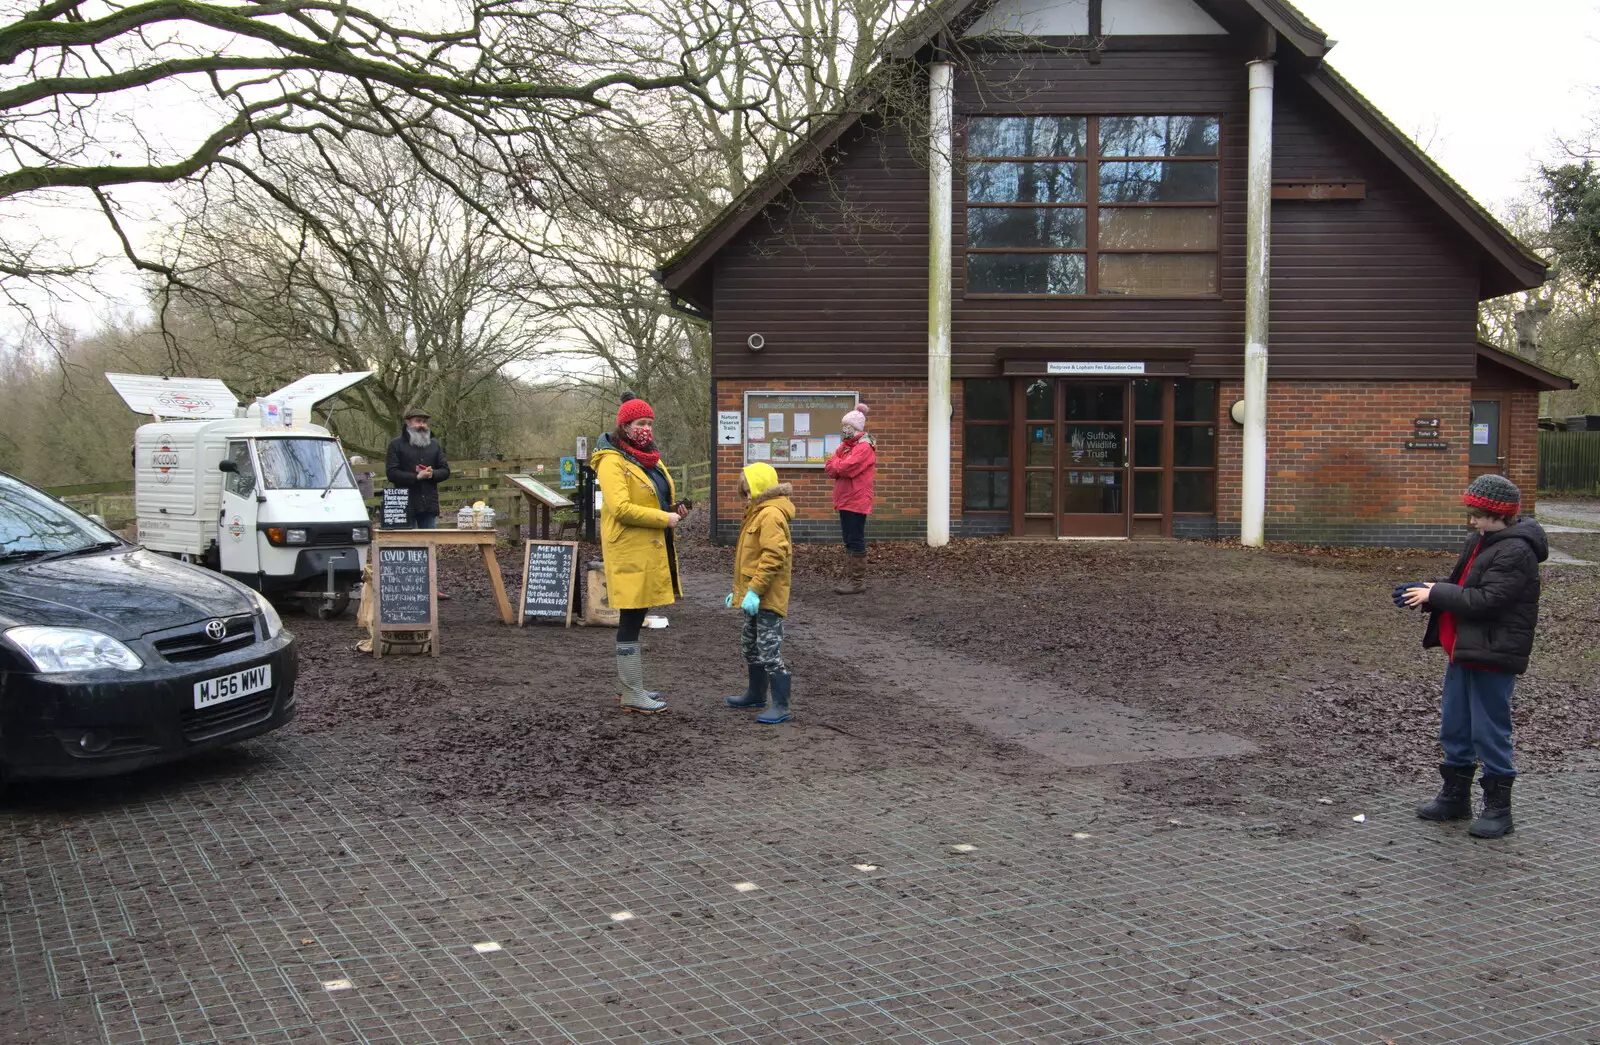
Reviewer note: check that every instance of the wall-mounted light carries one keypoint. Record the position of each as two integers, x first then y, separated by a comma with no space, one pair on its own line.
756,342
1236,411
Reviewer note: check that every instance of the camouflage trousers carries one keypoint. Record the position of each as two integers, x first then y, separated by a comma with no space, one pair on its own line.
761,641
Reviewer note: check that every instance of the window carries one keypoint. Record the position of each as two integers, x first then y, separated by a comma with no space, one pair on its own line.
242,481
1092,206
1194,447
986,448
303,464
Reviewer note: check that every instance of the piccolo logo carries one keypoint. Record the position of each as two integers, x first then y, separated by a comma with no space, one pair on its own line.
164,460
182,403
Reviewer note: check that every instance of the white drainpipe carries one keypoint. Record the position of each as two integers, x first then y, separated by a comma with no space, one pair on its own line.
941,98
1257,307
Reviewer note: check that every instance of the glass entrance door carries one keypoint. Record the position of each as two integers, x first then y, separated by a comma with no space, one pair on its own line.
1093,458
1074,480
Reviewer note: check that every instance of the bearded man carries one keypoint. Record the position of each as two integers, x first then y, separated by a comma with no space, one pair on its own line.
416,461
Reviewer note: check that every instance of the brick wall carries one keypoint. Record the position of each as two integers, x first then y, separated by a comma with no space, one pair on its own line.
1337,470
1522,445
898,421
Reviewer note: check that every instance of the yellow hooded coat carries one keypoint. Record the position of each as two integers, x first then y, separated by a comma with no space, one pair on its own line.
633,532
764,556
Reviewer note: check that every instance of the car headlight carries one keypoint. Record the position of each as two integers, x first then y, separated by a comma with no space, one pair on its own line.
268,612
72,649
360,533
281,535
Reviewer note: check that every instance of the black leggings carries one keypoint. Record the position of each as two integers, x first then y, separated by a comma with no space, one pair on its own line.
629,624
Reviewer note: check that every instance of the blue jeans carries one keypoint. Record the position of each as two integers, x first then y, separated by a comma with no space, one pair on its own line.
1475,719
427,522
853,528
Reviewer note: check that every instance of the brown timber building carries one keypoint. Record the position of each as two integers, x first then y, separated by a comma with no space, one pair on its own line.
1097,286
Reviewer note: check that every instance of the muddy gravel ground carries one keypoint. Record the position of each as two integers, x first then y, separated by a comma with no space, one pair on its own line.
1295,649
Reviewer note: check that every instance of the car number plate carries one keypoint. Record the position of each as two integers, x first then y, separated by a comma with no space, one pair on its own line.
231,687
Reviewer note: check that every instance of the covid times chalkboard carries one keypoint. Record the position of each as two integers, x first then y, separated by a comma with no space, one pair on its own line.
397,509
407,586
549,571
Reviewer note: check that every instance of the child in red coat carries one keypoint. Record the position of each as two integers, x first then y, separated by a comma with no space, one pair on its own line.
852,467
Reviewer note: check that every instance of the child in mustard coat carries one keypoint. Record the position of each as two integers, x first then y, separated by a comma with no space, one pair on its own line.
761,569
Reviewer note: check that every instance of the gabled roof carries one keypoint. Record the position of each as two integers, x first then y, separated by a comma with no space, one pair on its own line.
1546,380
1515,266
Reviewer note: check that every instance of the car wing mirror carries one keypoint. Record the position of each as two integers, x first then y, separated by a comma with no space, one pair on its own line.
228,466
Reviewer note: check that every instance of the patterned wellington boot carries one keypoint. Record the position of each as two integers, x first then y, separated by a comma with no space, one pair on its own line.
630,671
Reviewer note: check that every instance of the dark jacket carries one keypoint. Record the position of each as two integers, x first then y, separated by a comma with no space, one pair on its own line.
1496,605
401,465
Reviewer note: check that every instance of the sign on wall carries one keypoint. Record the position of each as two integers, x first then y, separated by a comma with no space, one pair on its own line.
728,424
1102,369
794,429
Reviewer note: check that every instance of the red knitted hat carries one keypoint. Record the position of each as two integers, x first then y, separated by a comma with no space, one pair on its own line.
632,410
1494,494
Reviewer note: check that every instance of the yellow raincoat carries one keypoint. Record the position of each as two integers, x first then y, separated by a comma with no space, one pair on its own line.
764,556
640,572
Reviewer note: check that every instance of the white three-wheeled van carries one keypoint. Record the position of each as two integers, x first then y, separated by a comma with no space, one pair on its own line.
258,493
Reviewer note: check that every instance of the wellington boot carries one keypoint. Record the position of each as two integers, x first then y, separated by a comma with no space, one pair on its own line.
1454,800
778,703
855,575
1495,820
755,694
630,672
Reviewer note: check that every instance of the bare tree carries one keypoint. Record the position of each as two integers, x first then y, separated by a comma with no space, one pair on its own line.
382,269
100,95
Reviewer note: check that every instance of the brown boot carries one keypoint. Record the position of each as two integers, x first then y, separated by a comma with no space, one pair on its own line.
855,575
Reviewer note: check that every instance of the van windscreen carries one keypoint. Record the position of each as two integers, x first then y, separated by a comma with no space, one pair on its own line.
302,464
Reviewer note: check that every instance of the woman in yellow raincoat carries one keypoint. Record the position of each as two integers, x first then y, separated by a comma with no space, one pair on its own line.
638,512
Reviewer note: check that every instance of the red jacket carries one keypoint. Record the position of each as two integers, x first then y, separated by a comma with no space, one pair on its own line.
853,476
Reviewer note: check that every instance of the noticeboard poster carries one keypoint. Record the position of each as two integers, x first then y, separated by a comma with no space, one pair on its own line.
792,429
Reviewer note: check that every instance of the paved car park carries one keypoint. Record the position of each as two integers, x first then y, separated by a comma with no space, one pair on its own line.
277,893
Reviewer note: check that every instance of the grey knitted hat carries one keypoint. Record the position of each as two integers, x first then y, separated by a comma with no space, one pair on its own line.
1494,494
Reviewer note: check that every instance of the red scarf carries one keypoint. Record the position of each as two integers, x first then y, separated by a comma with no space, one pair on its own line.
648,458
848,444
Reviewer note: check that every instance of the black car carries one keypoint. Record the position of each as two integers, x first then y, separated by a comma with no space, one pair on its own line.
113,657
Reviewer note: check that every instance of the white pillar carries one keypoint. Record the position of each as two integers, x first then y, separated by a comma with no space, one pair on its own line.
1257,307
941,100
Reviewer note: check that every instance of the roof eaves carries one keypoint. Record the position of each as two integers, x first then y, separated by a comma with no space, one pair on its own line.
1549,379
1306,36
1527,268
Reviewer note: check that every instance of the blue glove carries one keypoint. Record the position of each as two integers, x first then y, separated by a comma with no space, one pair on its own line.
728,602
1400,592
751,604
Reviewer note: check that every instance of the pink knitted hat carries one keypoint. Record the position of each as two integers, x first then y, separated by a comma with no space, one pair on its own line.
857,418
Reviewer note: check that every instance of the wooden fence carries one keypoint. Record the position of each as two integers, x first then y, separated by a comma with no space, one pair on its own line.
469,481
1569,462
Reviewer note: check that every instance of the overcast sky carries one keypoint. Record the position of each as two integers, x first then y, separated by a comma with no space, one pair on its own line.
1487,86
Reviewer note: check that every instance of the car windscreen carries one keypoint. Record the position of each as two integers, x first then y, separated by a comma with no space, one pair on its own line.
302,464
32,524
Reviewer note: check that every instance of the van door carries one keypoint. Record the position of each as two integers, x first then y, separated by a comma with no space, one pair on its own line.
237,540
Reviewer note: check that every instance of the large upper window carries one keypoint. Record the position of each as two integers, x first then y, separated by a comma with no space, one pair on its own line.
1092,206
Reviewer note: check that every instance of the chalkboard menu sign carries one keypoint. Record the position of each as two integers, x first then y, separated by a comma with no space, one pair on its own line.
407,586
397,508
549,570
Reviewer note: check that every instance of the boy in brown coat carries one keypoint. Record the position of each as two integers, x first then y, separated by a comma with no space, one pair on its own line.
761,569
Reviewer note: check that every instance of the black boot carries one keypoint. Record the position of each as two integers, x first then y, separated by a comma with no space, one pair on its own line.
1495,820
778,707
1454,800
755,694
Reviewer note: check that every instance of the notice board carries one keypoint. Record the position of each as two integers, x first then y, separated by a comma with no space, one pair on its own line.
794,429
549,572
396,511
407,587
